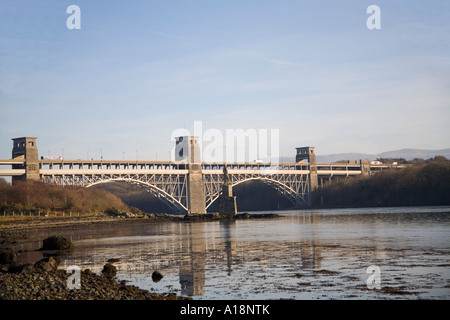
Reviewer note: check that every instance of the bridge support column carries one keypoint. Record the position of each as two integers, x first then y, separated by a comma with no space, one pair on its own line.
307,153
365,167
195,190
227,202
313,181
25,148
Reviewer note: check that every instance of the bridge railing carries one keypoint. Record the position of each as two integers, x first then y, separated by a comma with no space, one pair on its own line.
109,165
255,166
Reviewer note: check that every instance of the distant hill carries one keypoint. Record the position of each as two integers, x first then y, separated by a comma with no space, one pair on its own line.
406,153
410,154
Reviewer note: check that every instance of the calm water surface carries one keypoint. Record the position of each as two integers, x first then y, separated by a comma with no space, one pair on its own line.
305,254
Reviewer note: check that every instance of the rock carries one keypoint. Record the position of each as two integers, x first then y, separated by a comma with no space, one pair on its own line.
53,286
243,216
7,256
109,270
112,260
57,243
88,272
47,264
156,276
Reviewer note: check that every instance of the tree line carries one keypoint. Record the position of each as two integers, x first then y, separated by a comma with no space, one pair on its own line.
423,184
37,197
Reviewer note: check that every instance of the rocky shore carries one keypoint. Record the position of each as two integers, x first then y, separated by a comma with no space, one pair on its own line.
27,283
44,281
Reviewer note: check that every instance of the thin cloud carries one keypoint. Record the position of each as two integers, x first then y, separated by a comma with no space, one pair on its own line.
284,63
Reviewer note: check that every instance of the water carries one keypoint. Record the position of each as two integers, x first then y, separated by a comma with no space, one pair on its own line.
312,254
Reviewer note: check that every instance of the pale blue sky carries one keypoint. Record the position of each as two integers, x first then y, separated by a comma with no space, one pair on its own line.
137,70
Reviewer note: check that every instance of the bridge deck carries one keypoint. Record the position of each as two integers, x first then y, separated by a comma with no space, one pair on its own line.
118,167
11,172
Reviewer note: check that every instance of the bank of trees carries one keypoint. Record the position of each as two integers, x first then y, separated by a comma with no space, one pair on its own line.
35,197
421,184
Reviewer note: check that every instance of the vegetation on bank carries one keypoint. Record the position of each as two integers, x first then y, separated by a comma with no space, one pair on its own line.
36,197
418,185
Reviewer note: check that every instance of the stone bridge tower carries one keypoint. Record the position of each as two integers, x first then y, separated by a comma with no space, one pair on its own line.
187,149
25,148
307,153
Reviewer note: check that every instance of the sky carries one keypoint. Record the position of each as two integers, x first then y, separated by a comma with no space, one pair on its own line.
136,71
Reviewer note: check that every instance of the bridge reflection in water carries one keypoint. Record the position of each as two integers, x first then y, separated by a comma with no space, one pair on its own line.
193,251
301,255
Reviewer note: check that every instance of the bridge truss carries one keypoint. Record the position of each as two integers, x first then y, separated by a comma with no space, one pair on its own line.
295,187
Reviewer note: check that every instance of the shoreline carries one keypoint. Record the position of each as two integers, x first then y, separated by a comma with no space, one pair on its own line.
20,228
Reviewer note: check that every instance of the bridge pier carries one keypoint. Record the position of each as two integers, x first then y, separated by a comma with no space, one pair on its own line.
227,202
195,190
365,167
307,153
25,149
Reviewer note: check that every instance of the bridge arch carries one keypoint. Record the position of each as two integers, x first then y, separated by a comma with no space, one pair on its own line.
288,192
169,199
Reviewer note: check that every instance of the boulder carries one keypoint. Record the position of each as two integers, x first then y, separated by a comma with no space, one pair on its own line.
57,243
7,256
156,276
47,264
109,270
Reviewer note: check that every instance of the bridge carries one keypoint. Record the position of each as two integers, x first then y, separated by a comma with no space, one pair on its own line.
186,184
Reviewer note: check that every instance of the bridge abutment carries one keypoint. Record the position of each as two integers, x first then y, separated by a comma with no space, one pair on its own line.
25,148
